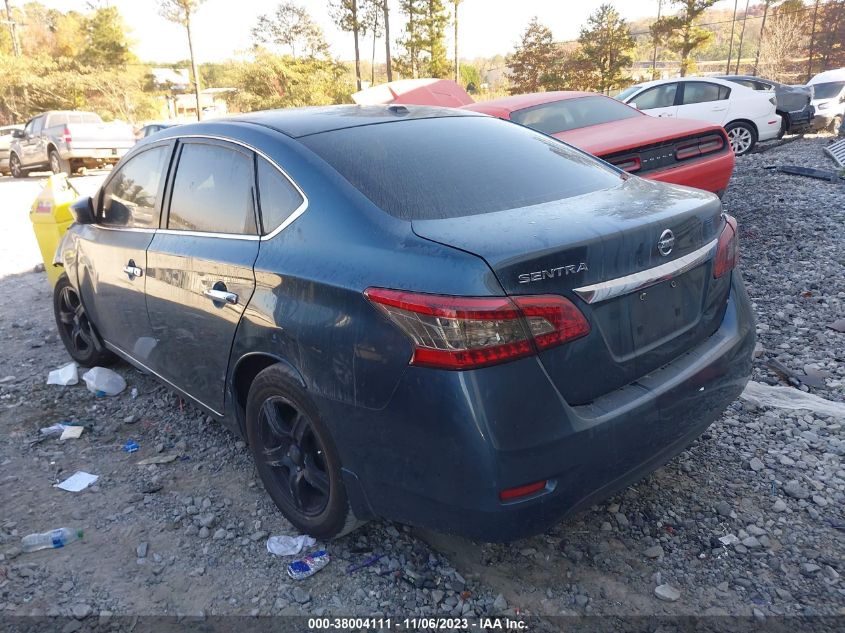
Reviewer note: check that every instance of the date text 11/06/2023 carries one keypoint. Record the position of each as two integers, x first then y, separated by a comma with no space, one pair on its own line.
418,624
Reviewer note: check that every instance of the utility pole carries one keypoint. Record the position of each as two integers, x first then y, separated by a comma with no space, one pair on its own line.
731,45
812,41
654,55
13,31
741,36
388,60
457,61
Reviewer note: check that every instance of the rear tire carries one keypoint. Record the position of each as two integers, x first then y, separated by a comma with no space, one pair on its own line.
835,124
15,167
742,135
784,125
78,333
295,456
58,164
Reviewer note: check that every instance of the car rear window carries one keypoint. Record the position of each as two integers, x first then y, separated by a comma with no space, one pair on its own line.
571,114
449,167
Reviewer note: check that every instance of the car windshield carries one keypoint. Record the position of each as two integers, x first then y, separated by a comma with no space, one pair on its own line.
571,114
628,92
828,90
449,167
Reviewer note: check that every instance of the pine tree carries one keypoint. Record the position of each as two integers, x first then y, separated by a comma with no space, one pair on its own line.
680,32
434,21
607,44
348,16
533,63
409,63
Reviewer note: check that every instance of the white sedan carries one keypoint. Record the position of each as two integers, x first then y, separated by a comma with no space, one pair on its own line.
747,115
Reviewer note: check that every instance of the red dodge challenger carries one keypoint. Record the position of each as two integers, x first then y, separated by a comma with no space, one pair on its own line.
681,151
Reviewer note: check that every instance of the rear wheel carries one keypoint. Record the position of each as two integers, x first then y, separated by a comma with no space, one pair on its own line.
743,137
75,329
296,457
58,164
15,166
835,124
784,124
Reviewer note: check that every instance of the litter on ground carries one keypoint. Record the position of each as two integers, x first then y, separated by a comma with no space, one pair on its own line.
288,545
103,382
789,398
64,376
78,481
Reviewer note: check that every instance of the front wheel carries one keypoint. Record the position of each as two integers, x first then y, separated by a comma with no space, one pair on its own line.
296,457
742,136
15,167
75,329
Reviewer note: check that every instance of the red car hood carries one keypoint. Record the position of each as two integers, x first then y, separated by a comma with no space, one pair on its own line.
628,134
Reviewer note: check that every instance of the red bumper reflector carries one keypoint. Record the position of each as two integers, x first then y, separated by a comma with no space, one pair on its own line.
522,491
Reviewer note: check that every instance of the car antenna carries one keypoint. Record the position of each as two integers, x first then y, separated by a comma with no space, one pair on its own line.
398,109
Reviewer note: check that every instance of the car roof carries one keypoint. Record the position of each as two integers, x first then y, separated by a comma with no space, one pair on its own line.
837,74
298,122
748,78
715,80
518,102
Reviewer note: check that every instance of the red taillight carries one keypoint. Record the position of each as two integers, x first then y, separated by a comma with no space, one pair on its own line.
66,137
522,491
467,332
630,164
699,147
727,252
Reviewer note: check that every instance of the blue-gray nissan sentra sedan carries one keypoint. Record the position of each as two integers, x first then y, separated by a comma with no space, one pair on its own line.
421,314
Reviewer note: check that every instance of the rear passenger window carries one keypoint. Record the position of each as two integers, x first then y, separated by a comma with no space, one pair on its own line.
702,92
131,196
212,191
277,196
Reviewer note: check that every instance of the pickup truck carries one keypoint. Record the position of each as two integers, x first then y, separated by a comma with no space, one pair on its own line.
67,140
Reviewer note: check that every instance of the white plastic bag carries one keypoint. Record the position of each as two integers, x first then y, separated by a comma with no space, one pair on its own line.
790,398
64,376
288,545
103,382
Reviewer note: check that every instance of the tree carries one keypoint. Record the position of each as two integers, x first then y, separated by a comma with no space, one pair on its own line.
388,61
372,16
412,40
534,60
832,39
291,26
783,40
434,22
455,5
106,43
348,18
606,42
181,12
681,33
767,4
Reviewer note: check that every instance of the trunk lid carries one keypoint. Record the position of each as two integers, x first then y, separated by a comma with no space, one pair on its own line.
558,247
101,136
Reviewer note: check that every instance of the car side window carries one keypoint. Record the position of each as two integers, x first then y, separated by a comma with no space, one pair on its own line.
131,195
278,198
657,97
29,126
37,125
703,92
213,191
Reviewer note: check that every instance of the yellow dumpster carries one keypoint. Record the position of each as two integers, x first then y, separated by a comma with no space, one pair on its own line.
50,217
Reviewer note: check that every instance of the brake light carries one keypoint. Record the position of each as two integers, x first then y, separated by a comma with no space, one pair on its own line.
630,164
522,491
699,147
727,251
66,137
468,332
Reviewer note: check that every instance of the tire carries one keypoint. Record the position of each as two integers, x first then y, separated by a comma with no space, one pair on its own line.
835,124
78,333
58,164
784,125
295,456
15,167
742,136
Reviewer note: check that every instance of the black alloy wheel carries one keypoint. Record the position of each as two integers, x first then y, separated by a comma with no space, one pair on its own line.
295,456
75,328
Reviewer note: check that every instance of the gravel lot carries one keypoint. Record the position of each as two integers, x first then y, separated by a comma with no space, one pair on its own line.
188,537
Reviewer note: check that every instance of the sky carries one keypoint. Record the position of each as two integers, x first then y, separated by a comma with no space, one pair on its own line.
222,27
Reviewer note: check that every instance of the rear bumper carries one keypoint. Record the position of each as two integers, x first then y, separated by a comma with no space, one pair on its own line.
448,442
710,174
799,120
100,154
768,127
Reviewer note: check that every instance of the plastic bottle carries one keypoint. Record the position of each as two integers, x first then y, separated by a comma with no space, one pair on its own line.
53,538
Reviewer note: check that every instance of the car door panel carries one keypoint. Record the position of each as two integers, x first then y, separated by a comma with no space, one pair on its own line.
199,281
708,102
659,101
113,261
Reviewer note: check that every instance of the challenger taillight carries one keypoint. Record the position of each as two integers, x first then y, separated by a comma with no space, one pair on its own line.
468,332
699,147
727,251
66,137
629,164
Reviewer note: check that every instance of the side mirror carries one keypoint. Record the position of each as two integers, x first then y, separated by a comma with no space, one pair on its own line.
18,134
83,210
633,104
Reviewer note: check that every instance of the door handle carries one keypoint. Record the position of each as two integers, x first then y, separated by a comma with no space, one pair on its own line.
719,109
221,296
132,270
